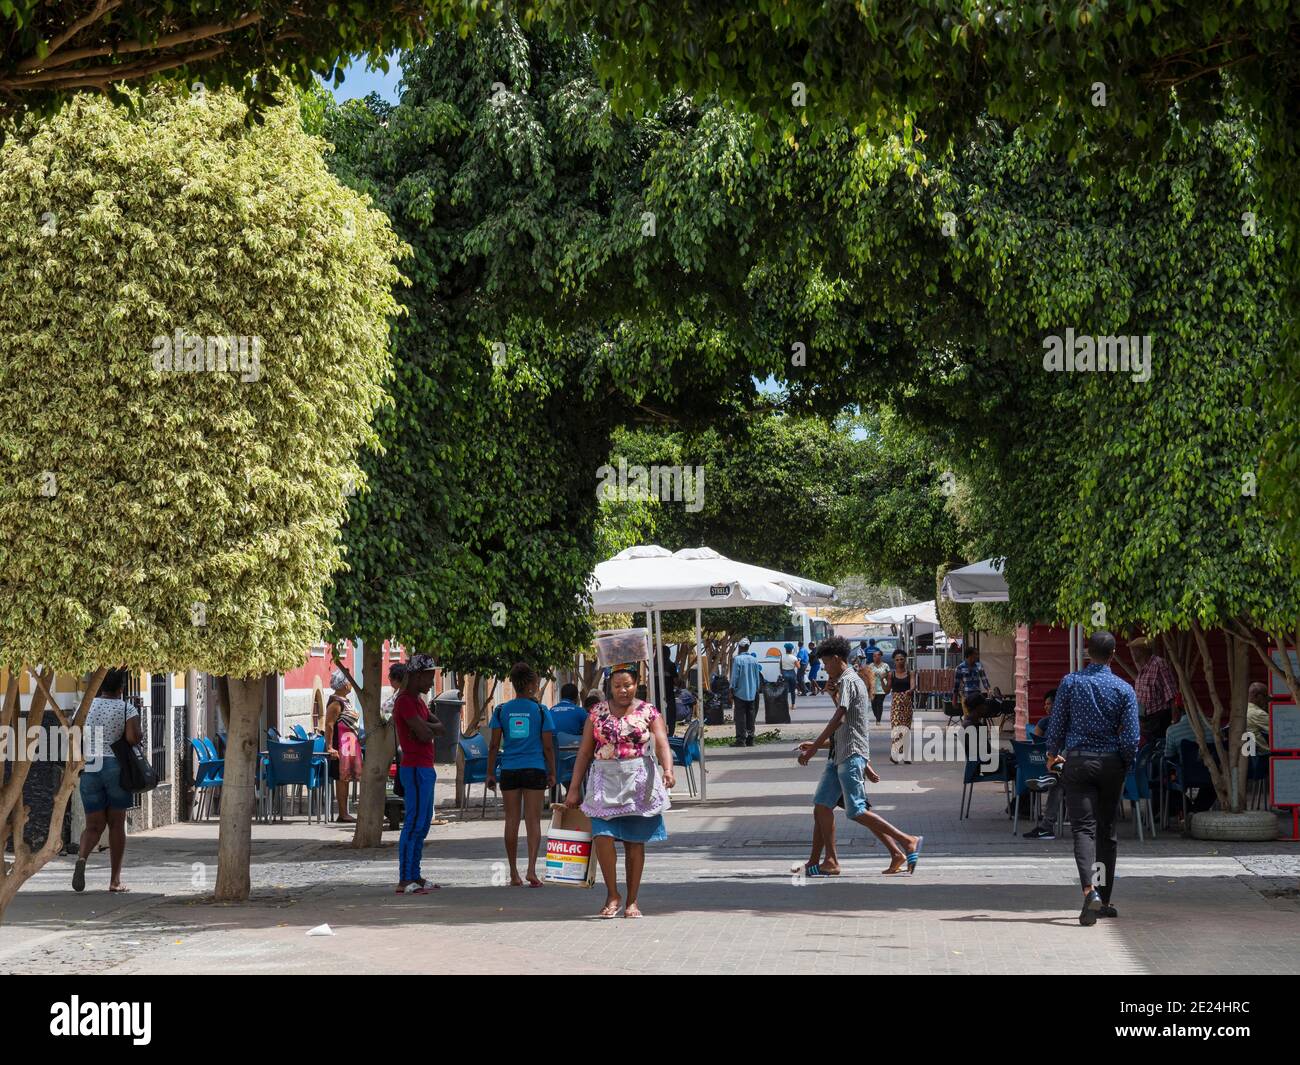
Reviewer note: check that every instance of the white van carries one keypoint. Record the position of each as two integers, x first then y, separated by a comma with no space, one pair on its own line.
801,630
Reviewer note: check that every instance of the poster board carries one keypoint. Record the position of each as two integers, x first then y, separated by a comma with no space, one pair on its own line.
1276,685
1284,781
1284,727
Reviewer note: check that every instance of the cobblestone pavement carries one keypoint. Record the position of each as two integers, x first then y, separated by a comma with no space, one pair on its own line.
719,893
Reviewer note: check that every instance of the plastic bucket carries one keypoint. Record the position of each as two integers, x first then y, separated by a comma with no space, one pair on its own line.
568,857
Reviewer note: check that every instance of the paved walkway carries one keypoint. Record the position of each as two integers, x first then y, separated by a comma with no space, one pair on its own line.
719,894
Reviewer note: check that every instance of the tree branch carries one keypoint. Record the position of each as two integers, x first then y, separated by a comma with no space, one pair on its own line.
198,33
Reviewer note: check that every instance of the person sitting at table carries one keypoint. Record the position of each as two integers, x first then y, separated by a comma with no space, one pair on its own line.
567,714
1257,723
1181,730
524,731
685,706
1049,784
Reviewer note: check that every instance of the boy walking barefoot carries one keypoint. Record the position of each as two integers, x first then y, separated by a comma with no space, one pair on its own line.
845,774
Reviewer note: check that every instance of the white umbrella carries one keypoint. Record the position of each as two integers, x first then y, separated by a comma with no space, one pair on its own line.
803,592
981,582
897,615
650,577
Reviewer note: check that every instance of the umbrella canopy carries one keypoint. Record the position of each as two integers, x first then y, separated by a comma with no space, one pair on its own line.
803,592
650,577
897,615
981,582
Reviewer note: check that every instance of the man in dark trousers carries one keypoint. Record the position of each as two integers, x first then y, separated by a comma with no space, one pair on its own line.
1094,730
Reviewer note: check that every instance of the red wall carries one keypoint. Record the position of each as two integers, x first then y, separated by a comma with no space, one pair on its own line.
1049,661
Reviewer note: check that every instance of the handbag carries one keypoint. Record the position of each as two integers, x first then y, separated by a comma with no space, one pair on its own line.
134,773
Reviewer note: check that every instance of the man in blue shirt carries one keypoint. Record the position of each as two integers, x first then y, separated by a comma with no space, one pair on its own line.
567,714
1094,729
746,676
803,669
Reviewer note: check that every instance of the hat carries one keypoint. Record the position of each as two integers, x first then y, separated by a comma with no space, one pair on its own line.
744,644
789,647
420,664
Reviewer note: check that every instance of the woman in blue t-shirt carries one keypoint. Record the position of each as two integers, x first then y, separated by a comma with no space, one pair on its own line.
523,731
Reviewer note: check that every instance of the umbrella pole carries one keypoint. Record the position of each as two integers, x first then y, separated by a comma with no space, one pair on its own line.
699,703
650,666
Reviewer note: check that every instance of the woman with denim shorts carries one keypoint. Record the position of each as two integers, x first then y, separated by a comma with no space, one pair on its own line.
110,718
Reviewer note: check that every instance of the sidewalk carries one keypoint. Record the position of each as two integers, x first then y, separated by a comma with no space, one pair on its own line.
719,896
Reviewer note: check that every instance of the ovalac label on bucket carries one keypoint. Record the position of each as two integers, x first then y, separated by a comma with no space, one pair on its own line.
568,849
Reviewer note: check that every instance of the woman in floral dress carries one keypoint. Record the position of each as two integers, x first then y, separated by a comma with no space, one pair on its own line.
625,795
900,711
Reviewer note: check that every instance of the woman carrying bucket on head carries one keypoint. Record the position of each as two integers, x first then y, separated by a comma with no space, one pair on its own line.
625,794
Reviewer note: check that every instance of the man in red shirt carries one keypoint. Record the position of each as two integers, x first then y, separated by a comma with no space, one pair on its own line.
416,728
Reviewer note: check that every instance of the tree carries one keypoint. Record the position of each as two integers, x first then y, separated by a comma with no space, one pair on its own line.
195,329
541,314
1129,500
767,490
53,51
1108,83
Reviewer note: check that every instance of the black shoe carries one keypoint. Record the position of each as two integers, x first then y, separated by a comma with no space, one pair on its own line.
1040,833
1091,904
738,743
1107,910
749,742
79,875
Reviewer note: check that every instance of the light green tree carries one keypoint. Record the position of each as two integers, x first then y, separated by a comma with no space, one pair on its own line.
194,323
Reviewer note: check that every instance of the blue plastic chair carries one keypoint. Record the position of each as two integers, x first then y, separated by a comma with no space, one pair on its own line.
300,732
1031,763
474,757
293,764
208,774
1137,789
1190,772
686,752
973,773
566,757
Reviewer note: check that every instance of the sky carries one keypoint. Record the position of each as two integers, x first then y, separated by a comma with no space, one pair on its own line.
361,82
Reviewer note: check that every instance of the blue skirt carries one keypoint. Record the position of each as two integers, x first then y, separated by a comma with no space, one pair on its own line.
631,829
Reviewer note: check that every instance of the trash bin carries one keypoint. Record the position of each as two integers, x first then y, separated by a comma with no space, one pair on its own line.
447,709
776,702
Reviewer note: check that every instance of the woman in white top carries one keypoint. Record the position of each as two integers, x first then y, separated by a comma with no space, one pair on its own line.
790,672
110,718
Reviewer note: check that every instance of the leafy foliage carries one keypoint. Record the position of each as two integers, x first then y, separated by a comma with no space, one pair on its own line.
541,316
178,520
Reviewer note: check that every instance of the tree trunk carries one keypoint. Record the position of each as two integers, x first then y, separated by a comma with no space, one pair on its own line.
381,742
238,797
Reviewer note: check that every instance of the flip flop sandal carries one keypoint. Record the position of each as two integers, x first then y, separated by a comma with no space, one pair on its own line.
415,889
816,872
79,875
915,856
